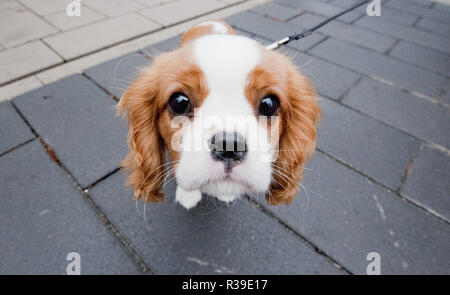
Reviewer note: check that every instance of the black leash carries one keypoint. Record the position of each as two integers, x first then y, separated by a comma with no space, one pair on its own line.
308,32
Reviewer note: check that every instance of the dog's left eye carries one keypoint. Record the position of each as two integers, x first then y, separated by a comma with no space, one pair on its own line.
179,104
269,106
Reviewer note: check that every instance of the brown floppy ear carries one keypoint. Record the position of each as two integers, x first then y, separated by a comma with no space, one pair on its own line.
298,139
146,147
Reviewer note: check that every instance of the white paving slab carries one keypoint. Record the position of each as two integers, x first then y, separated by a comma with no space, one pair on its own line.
150,3
113,8
19,87
64,22
79,64
45,7
96,36
175,12
19,25
25,59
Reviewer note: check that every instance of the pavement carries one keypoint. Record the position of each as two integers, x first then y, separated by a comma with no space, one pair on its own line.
378,182
41,42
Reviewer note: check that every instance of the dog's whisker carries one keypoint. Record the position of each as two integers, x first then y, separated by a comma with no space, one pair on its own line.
283,169
160,179
150,173
315,193
286,178
291,164
145,203
140,187
308,198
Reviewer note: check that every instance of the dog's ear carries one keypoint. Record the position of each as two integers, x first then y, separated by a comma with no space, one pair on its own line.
146,148
298,139
206,28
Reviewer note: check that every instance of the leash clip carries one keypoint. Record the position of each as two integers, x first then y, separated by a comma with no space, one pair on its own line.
277,44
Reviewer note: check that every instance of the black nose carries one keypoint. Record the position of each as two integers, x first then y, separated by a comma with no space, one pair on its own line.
228,147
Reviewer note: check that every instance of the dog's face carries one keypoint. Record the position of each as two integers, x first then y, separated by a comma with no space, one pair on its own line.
235,118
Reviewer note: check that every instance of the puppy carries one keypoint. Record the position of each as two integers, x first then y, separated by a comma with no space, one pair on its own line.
235,119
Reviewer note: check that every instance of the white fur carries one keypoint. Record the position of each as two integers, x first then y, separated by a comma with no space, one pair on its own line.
226,62
188,199
218,27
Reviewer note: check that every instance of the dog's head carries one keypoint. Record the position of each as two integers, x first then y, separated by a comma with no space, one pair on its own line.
235,118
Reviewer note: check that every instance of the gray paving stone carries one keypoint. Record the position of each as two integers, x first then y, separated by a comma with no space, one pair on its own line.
243,33
318,7
329,80
43,218
397,16
349,216
381,67
411,34
164,46
272,30
423,3
276,12
116,75
426,58
349,33
409,113
343,3
387,14
428,181
434,26
441,6
308,19
212,238
446,95
365,144
78,121
438,14
13,130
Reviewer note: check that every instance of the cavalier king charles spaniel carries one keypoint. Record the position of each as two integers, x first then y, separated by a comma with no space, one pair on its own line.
235,118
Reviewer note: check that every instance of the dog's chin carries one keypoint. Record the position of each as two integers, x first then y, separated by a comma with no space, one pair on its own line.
226,190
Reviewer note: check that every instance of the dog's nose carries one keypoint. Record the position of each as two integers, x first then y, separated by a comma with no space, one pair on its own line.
229,147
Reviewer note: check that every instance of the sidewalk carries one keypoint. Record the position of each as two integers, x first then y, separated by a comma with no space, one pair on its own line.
378,182
40,43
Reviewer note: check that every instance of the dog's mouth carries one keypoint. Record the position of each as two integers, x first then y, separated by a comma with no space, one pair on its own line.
226,189
229,179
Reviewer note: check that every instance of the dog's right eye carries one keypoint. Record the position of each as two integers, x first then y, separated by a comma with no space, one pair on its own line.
179,104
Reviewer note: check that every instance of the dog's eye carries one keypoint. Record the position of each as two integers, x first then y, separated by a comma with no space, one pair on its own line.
179,104
269,106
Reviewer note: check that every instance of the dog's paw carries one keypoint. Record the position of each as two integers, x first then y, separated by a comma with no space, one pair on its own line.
187,199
